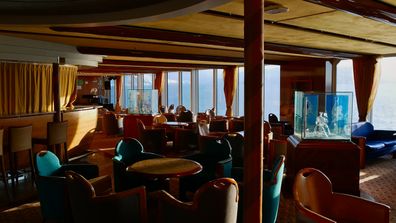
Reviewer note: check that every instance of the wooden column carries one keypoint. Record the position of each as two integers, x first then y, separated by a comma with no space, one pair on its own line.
254,58
55,89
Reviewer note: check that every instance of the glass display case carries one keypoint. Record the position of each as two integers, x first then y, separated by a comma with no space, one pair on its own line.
143,101
323,115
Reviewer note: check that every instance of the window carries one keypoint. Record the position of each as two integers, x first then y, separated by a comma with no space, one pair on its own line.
112,98
220,96
272,90
148,81
135,81
384,108
173,88
345,83
241,91
205,90
186,89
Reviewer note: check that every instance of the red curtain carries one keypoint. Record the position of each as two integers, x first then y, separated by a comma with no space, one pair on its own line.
230,82
158,84
366,71
118,93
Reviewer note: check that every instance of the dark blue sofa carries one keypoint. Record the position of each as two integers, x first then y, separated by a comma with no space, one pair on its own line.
376,142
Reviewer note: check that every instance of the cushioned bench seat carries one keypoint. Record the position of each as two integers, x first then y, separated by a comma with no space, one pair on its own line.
376,142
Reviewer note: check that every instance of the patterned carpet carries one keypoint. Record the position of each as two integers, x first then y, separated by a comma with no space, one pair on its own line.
378,180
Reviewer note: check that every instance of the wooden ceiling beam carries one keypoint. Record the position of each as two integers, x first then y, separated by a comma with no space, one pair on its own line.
155,34
275,47
295,27
187,66
154,54
117,70
374,10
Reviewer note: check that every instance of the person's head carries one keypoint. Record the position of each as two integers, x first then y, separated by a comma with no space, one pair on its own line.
162,109
171,108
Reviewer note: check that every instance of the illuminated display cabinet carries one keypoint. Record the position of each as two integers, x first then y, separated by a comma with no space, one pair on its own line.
143,101
323,115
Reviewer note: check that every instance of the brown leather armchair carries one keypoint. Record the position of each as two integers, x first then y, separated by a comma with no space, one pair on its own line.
316,202
214,202
153,139
86,206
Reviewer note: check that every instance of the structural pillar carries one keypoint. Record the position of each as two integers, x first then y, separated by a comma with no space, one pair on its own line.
55,89
253,154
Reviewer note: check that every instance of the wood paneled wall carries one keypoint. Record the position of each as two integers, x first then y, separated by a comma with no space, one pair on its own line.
307,75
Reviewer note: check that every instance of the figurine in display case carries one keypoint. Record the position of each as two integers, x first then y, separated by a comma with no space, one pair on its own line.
323,115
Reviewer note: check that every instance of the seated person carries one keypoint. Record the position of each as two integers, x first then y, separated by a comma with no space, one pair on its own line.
171,108
160,118
185,116
180,109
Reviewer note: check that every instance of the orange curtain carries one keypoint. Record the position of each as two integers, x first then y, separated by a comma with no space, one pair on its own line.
230,82
67,83
158,85
25,88
118,93
366,71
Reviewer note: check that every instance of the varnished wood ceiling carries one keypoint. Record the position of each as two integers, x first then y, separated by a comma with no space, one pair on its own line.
215,36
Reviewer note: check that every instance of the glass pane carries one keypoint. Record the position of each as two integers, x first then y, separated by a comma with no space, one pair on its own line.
345,82
127,87
241,91
205,89
112,99
135,81
173,88
186,89
148,81
272,90
384,108
221,104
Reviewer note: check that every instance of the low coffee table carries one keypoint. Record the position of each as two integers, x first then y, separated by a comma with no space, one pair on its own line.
163,168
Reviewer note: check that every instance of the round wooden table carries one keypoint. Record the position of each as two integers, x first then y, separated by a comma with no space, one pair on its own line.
172,168
166,167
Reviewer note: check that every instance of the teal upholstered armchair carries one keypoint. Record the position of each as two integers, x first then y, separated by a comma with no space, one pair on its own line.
51,184
237,150
215,158
127,152
272,190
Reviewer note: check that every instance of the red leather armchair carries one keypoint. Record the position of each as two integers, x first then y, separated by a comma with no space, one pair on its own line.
316,202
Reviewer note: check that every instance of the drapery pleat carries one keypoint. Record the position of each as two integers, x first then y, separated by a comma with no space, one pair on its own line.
118,93
230,82
67,83
366,72
73,98
25,88
158,85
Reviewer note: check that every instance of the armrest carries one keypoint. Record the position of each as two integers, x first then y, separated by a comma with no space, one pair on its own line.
223,168
86,170
351,208
383,134
148,155
306,215
123,204
102,185
171,209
